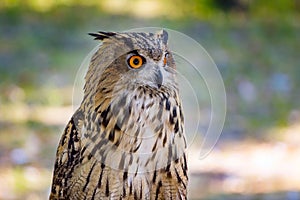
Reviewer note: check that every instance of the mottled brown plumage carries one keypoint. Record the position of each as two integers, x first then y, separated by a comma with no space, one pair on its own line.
126,140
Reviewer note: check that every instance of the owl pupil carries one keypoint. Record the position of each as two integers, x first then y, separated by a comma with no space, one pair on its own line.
136,61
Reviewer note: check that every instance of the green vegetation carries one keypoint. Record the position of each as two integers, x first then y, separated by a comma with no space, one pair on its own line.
43,44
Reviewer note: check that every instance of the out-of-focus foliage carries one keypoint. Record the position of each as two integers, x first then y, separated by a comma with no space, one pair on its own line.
170,8
255,45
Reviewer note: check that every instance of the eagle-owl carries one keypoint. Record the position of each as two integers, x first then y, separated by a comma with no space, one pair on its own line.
126,140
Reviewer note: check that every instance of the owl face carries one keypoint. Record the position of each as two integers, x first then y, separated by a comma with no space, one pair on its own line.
137,59
146,69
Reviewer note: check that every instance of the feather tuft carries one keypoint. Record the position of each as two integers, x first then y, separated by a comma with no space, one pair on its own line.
101,35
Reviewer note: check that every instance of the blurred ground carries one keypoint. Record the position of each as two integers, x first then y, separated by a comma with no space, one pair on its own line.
255,46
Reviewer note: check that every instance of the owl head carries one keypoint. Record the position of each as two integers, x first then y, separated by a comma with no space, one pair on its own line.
130,60
131,98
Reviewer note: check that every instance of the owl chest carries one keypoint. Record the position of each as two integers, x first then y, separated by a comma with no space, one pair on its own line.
132,141
147,120
154,131
136,133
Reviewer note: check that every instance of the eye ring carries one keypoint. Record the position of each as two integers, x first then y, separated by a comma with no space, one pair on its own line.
136,61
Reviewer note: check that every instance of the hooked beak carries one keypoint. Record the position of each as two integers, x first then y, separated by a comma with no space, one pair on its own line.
159,78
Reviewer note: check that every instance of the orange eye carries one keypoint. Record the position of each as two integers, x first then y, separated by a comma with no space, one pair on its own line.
136,61
165,61
165,58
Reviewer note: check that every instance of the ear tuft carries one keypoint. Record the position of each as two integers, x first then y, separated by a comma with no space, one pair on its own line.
101,35
163,35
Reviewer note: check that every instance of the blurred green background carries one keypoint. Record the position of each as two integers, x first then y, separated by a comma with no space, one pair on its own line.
255,45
